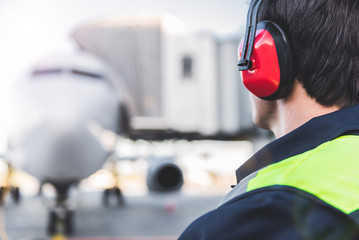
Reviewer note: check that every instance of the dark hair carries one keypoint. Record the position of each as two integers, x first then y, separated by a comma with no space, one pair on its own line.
324,35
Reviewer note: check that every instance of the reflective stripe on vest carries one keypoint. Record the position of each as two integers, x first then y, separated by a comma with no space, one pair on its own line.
330,172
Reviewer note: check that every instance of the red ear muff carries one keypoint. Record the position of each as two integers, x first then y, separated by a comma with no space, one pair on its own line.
271,72
265,57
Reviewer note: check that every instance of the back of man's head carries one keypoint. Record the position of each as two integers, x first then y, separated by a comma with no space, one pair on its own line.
324,35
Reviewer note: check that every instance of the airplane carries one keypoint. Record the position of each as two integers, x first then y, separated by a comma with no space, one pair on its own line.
66,119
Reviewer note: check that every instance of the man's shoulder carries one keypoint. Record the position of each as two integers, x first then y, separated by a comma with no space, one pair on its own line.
313,195
275,212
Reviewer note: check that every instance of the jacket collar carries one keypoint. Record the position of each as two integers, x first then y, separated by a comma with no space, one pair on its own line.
308,136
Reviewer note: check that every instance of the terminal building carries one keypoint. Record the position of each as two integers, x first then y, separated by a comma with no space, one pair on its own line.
171,78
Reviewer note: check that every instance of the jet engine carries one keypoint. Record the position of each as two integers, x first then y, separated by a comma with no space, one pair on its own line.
164,175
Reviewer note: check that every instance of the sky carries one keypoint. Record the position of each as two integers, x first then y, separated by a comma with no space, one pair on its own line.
31,30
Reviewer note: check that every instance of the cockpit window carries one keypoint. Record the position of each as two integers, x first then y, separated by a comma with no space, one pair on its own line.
46,71
72,71
87,74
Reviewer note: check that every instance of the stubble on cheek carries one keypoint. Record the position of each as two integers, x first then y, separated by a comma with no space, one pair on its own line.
264,113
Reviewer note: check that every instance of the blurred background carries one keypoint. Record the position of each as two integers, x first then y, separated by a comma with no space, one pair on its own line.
120,118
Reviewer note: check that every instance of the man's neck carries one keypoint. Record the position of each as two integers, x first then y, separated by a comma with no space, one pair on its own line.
297,109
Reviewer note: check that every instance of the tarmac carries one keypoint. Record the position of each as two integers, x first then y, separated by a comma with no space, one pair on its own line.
142,217
145,215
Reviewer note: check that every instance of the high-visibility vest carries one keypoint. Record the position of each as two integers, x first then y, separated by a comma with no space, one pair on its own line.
330,172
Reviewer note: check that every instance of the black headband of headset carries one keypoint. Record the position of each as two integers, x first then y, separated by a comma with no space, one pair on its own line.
245,62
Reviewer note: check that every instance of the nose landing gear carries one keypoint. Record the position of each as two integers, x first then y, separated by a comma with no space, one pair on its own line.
61,216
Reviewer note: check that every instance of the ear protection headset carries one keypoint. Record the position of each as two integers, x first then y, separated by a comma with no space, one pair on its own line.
265,60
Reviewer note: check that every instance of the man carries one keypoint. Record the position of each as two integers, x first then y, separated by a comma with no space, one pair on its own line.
305,184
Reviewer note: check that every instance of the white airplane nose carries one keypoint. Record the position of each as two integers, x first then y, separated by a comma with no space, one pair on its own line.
54,152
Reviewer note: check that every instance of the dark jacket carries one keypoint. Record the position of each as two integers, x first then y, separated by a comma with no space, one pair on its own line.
304,185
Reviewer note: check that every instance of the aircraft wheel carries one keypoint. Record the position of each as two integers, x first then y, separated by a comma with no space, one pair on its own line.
52,224
69,223
113,194
105,197
2,195
120,198
15,193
